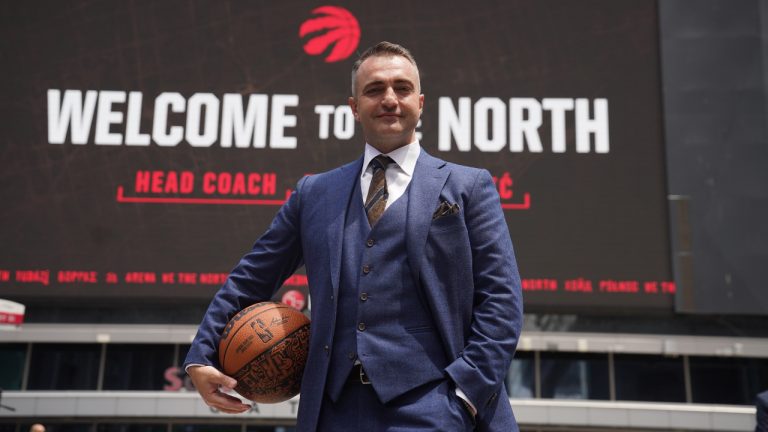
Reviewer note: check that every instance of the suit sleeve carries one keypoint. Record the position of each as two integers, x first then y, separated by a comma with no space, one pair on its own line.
497,310
259,274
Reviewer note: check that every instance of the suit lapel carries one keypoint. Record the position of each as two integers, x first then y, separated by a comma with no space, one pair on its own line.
429,177
336,210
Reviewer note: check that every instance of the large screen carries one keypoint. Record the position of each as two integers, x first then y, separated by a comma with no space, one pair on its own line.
146,145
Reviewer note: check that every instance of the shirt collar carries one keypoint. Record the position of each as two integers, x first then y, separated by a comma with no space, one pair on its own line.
405,157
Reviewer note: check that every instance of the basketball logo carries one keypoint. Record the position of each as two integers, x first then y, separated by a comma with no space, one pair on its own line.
333,26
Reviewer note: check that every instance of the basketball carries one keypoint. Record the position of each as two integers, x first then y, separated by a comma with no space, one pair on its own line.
264,347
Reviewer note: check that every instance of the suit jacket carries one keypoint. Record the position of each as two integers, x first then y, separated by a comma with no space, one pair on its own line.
463,263
761,417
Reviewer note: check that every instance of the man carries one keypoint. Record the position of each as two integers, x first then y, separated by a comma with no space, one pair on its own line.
416,301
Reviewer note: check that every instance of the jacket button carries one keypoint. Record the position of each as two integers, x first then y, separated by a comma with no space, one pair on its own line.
370,242
361,326
364,296
351,356
366,269
326,348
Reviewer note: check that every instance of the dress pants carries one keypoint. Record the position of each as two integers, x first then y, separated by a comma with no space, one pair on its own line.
433,406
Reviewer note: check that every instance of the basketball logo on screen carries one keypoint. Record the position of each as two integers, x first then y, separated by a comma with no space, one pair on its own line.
331,26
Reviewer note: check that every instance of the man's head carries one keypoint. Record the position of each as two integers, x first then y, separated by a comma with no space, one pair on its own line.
386,96
383,48
37,427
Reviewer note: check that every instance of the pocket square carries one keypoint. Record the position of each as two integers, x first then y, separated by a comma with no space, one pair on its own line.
445,209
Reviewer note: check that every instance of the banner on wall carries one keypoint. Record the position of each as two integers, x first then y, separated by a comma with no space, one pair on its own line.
11,314
149,144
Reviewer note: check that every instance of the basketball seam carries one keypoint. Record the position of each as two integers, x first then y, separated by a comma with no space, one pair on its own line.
289,335
271,348
235,331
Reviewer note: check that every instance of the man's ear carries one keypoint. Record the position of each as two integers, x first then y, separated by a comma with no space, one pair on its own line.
353,104
421,104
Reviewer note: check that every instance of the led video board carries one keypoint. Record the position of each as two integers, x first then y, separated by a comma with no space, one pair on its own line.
147,145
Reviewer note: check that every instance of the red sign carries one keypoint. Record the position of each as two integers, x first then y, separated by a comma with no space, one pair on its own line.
294,299
339,28
11,313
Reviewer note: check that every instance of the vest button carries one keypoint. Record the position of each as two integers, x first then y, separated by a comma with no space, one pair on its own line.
370,242
351,356
361,326
326,348
366,269
364,296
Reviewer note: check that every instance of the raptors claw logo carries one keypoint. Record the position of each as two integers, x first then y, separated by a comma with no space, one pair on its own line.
340,29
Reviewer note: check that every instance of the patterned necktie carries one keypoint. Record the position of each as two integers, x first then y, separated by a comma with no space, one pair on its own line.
377,192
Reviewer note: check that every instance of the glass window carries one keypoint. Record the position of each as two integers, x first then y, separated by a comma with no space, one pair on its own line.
63,427
205,428
64,367
251,428
137,366
574,376
521,379
727,380
183,350
12,358
638,378
760,368
106,427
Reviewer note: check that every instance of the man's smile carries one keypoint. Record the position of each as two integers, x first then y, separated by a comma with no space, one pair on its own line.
389,116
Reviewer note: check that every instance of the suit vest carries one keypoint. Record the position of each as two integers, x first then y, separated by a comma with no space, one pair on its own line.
382,319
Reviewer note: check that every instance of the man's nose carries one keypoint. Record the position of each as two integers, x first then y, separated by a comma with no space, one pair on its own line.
390,98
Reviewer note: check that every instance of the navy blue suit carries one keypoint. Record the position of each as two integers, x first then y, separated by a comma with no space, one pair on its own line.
462,265
761,403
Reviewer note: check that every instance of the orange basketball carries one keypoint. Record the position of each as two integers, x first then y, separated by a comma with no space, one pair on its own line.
264,347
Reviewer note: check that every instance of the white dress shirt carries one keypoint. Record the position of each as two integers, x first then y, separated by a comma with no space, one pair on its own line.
398,175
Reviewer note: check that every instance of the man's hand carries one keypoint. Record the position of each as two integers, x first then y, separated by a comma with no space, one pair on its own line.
208,380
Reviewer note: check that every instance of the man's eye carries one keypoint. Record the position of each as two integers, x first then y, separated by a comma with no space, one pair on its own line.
373,90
